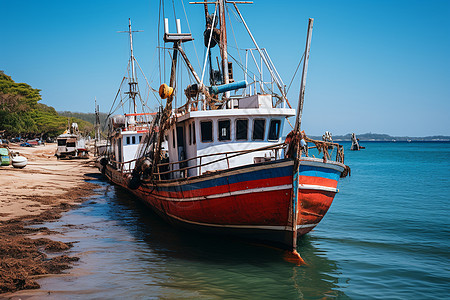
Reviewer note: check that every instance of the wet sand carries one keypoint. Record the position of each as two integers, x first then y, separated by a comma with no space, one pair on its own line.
38,193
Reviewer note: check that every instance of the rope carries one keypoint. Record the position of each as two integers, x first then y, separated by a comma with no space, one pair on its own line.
295,73
148,85
190,31
209,44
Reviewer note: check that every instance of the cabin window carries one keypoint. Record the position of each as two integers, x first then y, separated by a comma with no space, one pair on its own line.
140,138
241,129
61,142
224,130
190,134
258,129
193,133
274,129
70,144
128,140
133,139
173,137
206,128
180,136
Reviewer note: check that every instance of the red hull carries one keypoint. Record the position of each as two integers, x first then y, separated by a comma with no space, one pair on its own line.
253,202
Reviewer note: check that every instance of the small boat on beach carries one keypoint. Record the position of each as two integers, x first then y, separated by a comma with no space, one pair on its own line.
5,156
218,163
71,144
19,161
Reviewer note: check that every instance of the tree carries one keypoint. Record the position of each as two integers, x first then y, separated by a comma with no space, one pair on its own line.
22,114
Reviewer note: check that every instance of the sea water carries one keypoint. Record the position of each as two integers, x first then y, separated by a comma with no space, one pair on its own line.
386,236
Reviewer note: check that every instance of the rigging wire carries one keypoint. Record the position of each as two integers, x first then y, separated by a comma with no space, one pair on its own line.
174,12
164,52
295,73
209,44
232,30
240,64
148,85
190,31
159,42
152,74
191,77
248,72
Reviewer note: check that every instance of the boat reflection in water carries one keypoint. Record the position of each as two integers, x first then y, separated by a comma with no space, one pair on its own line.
201,265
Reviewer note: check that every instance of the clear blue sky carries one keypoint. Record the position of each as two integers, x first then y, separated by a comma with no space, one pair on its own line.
375,66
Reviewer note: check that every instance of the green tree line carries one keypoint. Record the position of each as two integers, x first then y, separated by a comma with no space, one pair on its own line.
22,114
89,117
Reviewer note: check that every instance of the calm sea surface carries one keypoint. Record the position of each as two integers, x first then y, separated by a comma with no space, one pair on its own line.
386,236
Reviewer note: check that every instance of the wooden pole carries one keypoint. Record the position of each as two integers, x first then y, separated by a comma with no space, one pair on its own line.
189,65
168,109
303,82
223,44
295,200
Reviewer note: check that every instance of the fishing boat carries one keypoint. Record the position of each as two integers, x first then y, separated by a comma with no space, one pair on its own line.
71,144
355,144
218,163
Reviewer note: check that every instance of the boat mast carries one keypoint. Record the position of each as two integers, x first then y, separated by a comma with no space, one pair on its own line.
303,82
97,121
176,39
223,45
132,81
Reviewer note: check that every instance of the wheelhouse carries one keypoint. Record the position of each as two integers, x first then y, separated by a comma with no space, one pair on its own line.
202,137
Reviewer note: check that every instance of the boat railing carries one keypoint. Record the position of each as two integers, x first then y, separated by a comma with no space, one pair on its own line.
226,156
121,165
281,151
322,146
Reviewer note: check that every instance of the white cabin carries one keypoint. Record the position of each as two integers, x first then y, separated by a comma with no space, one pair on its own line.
125,147
128,136
252,124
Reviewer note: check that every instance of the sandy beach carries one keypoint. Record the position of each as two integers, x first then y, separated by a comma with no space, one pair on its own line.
40,192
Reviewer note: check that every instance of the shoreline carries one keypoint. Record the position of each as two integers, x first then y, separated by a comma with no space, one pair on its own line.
38,193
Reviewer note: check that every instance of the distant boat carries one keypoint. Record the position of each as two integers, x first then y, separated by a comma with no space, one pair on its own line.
71,144
100,145
355,143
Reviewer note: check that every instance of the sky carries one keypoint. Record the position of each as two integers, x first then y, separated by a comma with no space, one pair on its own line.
375,66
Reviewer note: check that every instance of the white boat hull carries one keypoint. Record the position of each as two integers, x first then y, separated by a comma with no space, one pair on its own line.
19,162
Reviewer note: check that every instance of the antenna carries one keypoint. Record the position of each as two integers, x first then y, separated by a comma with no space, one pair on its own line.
97,121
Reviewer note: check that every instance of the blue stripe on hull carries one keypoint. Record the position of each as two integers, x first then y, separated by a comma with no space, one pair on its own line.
230,179
314,171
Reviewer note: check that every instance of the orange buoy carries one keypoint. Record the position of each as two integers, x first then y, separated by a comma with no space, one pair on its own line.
294,257
165,91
